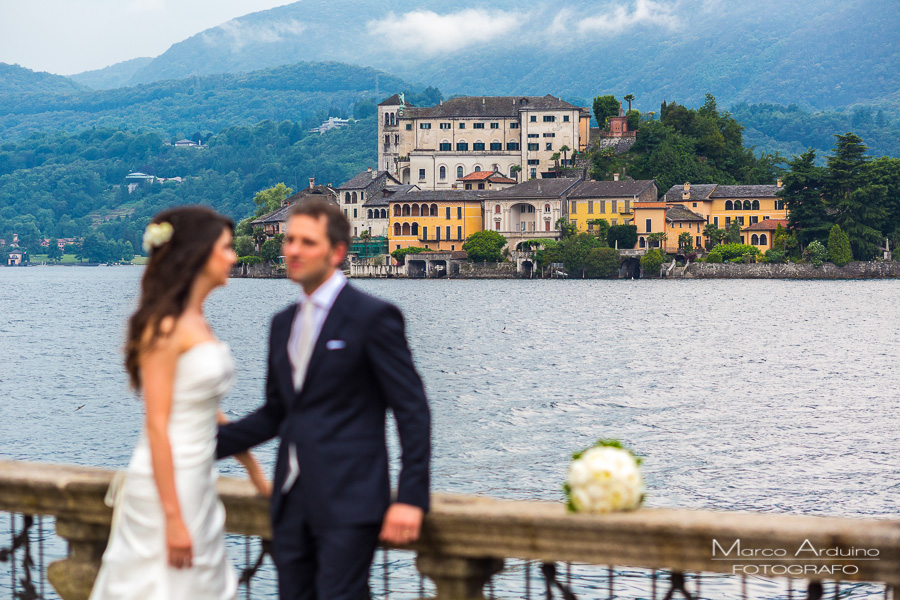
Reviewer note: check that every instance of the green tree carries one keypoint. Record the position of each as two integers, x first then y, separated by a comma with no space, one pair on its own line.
400,254
839,251
555,158
709,231
622,237
244,246
846,168
573,252
816,253
270,199
601,229
733,232
629,98
565,152
270,250
127,251
566,228
259,237
601,263
657,239
802,195
685,242
93,248
53,251
860,216
652,261
485,245
604,108
634,120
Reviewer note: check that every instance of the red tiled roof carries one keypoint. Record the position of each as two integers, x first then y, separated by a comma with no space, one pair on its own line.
487,176
767,225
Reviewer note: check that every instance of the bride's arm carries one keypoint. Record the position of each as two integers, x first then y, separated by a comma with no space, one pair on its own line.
157,366
249,461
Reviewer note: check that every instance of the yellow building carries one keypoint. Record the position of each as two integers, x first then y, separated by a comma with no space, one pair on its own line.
437,220
610,200
722,204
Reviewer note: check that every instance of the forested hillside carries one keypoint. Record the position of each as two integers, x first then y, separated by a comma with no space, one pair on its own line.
298,92
15,80
58,185
791,130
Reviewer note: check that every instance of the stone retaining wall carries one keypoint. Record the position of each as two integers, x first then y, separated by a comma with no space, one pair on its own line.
468,270
854,270
261,271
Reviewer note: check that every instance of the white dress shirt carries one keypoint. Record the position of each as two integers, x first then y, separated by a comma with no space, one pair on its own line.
322,300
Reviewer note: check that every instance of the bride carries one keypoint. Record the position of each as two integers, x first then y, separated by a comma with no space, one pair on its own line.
167,540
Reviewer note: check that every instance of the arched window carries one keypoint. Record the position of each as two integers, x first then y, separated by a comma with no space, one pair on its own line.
397,211
747,205
763,240
406,210
415,229
754,240
415,210
497,209
443,173
434,210
369,213
459,172
353,196
643,243
346,197
546,208
393,119
387,118
383,213
755,205
728,205
406,229
478,168
396,228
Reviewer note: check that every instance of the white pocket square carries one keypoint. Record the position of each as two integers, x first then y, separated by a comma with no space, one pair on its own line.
335,344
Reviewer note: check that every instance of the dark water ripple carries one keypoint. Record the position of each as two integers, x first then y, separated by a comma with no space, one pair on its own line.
772,396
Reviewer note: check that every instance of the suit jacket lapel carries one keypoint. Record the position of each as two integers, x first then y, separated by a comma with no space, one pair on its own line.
282,360
332,325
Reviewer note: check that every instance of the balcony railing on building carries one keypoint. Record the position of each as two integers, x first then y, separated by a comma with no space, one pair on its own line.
472,546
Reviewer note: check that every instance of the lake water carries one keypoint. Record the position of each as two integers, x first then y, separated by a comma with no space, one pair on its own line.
761,395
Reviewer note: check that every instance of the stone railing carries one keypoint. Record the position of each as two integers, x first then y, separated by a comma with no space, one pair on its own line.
466,539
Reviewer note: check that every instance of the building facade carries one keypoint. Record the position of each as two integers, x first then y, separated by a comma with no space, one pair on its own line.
276,221
530,210
354,194
610,200
436,146
434,219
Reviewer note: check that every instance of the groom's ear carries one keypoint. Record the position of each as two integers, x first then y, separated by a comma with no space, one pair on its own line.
340,254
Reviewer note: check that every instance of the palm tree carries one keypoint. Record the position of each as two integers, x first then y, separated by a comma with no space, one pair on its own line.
564,150
709,231
555,159
629,98
364,236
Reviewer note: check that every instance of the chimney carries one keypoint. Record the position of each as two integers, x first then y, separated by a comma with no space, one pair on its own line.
482,101
686,194
374,174
615,176
779,183
312,182
452,186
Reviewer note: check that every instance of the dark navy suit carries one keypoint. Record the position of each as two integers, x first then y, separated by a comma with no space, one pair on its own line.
325,528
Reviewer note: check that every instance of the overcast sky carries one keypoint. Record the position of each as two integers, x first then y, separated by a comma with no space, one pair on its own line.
71,36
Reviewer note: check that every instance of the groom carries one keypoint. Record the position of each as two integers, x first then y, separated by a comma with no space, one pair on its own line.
338,360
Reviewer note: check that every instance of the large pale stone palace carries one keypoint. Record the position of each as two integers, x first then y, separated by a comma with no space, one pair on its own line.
434,147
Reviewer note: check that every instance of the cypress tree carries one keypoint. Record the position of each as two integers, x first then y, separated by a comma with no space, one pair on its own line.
839,251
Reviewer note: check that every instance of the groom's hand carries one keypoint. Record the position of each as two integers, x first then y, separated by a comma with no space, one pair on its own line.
402,524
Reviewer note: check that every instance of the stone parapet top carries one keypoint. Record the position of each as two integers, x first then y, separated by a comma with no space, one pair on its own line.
479,527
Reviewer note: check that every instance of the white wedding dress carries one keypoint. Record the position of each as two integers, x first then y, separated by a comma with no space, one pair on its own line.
135,564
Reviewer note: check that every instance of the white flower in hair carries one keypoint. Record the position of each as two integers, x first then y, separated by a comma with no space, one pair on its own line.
157,234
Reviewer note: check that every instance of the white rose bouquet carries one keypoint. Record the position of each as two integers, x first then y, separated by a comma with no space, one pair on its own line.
604,478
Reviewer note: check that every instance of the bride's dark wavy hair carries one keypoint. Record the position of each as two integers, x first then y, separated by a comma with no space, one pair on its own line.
169,276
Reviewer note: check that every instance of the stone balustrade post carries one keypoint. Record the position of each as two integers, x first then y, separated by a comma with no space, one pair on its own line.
73,577
458,578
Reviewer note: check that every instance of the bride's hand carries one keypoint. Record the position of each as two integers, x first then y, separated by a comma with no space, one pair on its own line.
262,485
178,541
